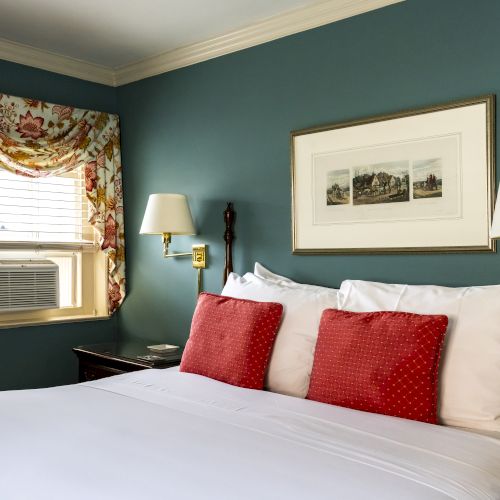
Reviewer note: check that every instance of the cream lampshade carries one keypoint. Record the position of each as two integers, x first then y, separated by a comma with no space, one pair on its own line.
167,214
495,225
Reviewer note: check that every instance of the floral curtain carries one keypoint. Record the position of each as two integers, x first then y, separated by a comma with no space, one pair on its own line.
38,139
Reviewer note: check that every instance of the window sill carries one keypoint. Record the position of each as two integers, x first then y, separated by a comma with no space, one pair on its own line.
54,321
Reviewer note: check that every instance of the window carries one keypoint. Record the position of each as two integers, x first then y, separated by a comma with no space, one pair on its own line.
47,218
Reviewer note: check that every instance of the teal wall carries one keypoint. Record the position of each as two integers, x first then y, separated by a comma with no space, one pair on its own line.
219,131
41,356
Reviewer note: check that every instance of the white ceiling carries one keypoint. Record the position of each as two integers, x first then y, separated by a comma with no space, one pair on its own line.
118,32
119,41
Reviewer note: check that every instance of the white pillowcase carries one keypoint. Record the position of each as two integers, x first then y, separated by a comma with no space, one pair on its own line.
260,271
470,371
292,357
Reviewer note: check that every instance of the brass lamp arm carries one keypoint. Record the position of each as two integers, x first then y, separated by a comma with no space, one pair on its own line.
198,256
167,238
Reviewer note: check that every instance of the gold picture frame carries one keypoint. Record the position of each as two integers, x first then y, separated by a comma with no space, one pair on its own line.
325,143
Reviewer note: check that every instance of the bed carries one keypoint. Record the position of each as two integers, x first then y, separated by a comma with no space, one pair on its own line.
169,434
165,434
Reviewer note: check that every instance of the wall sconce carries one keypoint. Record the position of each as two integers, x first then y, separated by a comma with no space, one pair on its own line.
169,215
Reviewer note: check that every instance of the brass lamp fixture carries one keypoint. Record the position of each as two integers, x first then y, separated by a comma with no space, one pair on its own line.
169,215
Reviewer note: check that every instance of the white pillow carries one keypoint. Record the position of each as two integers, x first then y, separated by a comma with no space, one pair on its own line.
260,271
470,370
293,353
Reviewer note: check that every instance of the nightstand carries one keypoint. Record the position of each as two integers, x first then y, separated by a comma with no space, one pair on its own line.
103,360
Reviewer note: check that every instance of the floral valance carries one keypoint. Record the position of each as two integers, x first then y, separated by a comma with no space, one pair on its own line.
39,139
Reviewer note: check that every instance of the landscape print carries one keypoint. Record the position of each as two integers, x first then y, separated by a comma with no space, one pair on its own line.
338,187
381,183
427,178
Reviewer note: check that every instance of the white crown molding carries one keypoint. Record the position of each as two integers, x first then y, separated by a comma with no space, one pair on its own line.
49,61
289,23
270,29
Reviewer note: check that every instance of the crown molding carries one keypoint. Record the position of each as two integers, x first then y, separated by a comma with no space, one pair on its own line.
49,61
270,29
279,26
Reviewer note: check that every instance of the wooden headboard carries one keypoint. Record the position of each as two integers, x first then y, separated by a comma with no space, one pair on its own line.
229,216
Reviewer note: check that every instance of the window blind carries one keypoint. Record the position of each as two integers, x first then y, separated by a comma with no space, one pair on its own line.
48,212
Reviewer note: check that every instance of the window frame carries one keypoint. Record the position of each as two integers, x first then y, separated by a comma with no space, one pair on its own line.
92,278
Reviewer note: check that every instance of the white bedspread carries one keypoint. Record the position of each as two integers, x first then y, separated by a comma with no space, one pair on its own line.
163,434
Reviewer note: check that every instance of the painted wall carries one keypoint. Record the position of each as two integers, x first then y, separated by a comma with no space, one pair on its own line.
41,356
219,131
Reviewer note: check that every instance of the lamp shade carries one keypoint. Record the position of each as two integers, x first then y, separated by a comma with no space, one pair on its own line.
167,213
495,225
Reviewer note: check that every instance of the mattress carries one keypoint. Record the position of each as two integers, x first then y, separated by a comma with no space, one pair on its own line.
164,434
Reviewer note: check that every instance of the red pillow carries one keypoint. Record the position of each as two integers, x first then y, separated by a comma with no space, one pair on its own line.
231,339
381,362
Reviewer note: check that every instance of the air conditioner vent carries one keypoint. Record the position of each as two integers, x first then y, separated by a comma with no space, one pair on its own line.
28,285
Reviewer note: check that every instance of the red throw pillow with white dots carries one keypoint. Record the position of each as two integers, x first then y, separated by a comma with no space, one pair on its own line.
381,362
231,339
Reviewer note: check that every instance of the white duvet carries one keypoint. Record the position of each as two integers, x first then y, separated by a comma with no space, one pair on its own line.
161,434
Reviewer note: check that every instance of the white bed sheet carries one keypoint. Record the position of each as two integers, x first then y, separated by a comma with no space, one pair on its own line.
164,434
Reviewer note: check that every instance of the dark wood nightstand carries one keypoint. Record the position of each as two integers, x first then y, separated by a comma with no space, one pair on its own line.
103,360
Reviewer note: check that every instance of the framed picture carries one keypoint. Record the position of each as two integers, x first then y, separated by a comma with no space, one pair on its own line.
417,181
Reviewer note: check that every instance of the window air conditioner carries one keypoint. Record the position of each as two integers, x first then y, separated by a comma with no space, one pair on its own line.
28,285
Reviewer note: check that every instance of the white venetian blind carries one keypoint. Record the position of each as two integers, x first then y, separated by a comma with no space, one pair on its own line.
43,212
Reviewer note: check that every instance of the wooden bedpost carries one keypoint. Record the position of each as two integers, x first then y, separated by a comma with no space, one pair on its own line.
229,216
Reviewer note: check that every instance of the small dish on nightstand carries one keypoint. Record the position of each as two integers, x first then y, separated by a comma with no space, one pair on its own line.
163,348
